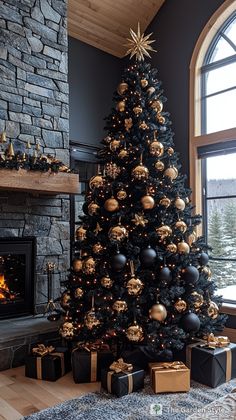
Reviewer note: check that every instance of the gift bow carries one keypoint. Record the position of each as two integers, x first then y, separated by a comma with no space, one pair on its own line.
220,341
42,350
121,366
172,365
96,346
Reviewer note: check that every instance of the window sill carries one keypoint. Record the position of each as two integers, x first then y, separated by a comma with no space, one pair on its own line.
228,308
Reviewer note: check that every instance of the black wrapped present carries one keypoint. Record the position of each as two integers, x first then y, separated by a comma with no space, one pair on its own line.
47,363
116,380
212,366
87,363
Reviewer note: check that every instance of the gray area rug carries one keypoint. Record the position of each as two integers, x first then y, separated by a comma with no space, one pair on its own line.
137,406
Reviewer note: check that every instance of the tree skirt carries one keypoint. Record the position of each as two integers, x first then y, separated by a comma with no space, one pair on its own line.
136,406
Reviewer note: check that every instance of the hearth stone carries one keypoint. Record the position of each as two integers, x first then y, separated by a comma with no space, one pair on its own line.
17,336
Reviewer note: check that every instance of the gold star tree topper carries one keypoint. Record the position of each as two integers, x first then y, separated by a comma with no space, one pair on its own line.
139,45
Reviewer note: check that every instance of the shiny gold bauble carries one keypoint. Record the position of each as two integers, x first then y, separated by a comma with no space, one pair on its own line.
165,201
138,110
88,266
134,286
123,153
143,83
117,233
114,145
206,270
135,333
122,88
170,151
111,204
179,203
159,165
97,248
171,172
191,238
121,195
93,208
198,300
120,306
96,182
150,91
78,293
80,233
172,248
77,265
120,106
90,320
213,310
156,148
158,312
157,105
65,300
161,119
164,232
183,248
140,172
181,225
180,305
67,330
147,202
106,282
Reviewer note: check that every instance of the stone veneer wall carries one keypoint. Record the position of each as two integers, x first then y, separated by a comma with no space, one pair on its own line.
34,96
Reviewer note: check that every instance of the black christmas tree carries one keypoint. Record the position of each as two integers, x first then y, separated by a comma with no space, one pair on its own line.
140,273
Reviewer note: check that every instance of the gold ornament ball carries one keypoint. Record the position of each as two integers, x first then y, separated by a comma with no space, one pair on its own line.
117,233
158,312
180,305
147,202
198,300
140,172
114,145
171,173
121,195
191,238
172,248
65,300
137,110
97,248
123,153
157,105
181,225
206,270
80,233
120,106
93,208
135,333
120,306
78,293
150,91
144,83
67,330
111,204
90,320
183,248
122,88
156,148
164,231
213,310
165,201
77,265
179,203
88,266
170,151
159,165
134,286
106,282
161,119
96,182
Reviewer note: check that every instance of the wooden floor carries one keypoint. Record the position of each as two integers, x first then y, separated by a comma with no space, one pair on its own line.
21,396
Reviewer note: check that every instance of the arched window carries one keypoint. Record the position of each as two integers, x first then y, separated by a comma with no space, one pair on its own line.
213,142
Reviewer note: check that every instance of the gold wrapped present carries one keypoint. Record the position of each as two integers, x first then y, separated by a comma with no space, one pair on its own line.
169,377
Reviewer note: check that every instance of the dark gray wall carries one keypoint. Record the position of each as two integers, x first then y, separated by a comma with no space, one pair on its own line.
93,77
176,28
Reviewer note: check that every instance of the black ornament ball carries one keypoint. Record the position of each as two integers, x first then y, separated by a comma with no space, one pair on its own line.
165,274
191,274
190,322
203,258
118,261
148,256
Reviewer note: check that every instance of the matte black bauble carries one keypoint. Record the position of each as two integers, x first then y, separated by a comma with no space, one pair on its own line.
148,256
165,274
190,322
191,274
118,262
203,258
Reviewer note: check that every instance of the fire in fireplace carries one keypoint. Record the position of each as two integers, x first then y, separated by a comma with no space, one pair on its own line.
16,276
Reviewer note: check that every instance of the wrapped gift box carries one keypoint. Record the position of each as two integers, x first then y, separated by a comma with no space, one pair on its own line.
169,377
122,383
50,366
212,366
87,365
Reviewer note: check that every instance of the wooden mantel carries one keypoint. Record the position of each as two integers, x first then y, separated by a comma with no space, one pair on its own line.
39,182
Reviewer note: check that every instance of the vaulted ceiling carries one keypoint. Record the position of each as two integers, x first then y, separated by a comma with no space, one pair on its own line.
105,24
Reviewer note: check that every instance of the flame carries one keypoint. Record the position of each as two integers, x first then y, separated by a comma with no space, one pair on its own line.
4,287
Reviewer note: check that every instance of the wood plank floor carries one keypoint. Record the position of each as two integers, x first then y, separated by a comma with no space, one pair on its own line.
21,396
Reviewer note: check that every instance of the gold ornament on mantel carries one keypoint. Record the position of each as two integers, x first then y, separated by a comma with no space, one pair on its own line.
10,150
3,137
139,45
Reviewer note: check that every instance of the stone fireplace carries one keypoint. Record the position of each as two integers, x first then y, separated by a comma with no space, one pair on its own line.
34,98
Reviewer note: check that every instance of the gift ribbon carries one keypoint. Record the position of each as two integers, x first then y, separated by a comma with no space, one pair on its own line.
96,346
121,366
93,372
172,365
42,351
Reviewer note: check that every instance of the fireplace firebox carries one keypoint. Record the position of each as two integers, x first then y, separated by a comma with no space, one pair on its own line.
17,262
